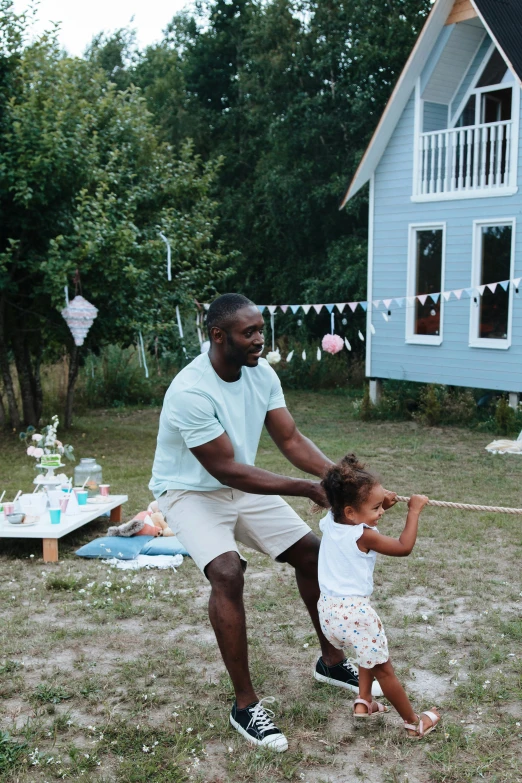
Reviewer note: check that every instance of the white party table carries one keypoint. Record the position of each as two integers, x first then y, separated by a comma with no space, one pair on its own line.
51,533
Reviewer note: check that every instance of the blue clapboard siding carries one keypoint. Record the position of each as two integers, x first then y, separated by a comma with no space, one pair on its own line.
452,362
435,117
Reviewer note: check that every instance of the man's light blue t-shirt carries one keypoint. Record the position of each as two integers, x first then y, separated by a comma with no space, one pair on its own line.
199,407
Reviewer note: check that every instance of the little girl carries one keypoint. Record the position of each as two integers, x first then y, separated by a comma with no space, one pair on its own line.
346,562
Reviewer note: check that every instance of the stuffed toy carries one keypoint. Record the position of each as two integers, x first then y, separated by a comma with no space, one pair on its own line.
146,523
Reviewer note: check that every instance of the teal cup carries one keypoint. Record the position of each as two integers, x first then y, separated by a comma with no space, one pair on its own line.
81,496
55,514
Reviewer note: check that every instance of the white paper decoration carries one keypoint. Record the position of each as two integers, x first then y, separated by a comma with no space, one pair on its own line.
79,315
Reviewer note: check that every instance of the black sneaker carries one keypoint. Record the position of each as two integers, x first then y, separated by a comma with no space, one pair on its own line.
344,674
255,725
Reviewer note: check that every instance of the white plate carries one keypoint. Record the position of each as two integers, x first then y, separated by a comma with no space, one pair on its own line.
22,524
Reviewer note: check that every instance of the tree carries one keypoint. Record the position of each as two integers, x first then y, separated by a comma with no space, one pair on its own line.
85,184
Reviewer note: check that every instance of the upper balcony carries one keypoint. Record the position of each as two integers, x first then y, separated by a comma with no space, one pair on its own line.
466,145
466,162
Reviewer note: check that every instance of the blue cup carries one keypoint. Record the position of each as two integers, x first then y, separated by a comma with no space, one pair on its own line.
55,514
81,496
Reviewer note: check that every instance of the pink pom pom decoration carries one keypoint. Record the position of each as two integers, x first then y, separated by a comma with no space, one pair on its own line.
332,343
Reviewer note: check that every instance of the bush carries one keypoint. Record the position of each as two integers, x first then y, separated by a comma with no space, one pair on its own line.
505,417
339,371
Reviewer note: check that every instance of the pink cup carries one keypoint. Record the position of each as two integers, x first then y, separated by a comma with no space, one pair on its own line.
104,489
64,502
9,508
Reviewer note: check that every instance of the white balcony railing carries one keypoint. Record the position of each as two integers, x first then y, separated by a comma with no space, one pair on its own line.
462,159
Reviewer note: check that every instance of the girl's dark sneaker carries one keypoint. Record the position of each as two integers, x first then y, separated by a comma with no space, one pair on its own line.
254,723
344,674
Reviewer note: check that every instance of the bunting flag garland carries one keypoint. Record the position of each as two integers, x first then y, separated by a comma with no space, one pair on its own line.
303,356
289,357
318,354
360,335
348,346
79,315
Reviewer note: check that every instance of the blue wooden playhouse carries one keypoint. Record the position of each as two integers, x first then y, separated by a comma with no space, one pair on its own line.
445,234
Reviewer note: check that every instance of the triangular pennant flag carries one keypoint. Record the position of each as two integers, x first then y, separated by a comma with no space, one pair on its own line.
289,357
306,308
361,336
458,292
469,292
329,307
385,316
348,346
284,308
206,306
446,295
364,306
492,287
516,281
504,284
435,298
387,303
376,303
317,308
353,306
294,308
340,306
422,298
400,301
272,309
481,289
261,308
303,356
318,354
372,328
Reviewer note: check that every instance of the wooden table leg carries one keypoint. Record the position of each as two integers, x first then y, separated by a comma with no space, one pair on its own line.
116,514
50,550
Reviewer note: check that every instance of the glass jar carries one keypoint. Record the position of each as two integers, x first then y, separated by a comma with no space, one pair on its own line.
89,470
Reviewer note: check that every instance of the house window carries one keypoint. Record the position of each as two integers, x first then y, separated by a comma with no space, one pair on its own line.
492,264
425,277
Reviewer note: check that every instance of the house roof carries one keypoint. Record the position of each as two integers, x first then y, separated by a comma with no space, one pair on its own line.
503,21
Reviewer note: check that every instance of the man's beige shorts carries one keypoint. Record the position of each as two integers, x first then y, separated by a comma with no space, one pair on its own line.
208,524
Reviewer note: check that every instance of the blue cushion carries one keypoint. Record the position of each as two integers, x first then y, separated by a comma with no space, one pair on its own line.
115,546
164,546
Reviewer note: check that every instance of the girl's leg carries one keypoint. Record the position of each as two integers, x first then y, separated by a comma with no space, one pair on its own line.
395,693
393,690
365,689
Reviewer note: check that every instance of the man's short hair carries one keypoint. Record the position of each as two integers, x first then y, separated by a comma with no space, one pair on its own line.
222,310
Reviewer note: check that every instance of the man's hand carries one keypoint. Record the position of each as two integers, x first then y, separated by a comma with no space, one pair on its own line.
318,495
390,499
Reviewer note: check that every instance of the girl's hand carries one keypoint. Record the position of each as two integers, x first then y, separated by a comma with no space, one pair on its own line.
390,499
417,502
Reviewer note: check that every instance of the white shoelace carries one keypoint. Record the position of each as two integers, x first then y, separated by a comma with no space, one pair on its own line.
351,667
260,719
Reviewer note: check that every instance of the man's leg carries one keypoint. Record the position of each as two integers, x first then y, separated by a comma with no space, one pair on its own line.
303,556
227,615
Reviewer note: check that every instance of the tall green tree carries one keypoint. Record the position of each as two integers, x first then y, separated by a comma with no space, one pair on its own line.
85,184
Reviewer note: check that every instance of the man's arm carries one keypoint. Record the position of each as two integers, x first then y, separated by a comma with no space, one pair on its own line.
217,457
298,450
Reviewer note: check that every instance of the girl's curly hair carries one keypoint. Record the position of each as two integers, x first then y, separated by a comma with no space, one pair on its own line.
348,484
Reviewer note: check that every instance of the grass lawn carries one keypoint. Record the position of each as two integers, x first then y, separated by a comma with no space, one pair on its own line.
108,675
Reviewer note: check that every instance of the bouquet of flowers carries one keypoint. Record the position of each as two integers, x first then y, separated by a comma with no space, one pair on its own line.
45,446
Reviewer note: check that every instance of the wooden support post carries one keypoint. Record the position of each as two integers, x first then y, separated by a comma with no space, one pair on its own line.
513,400
50,550
116,514
375,390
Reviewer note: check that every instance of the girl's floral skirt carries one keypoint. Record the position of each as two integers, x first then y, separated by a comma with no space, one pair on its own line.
351,621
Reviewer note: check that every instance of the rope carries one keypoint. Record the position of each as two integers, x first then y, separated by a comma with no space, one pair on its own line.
467,506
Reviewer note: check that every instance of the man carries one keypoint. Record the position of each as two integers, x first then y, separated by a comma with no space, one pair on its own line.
212,495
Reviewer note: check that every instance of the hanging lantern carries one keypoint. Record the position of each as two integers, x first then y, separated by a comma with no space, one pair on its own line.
79,315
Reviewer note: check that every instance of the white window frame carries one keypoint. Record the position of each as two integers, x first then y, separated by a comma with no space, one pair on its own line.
411,337
476,262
